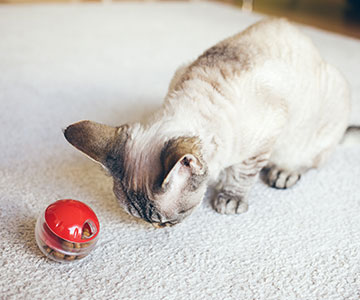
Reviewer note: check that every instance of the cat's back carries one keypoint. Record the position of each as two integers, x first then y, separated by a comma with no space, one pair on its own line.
272,41
275,39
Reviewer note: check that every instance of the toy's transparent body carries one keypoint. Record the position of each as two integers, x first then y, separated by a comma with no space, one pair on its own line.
57,248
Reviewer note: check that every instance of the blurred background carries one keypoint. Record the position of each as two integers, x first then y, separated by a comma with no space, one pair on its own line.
341,16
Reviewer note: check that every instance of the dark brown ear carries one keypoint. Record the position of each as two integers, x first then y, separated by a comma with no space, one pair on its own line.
181,159
91,138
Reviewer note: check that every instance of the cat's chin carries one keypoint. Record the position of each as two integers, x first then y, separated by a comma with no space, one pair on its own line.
163,225
169,223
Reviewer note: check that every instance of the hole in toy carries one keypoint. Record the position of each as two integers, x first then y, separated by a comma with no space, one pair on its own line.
88,230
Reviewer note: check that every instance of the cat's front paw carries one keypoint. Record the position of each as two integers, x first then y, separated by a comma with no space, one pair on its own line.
281,179
229,203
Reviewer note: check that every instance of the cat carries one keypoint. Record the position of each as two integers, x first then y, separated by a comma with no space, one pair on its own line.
262,99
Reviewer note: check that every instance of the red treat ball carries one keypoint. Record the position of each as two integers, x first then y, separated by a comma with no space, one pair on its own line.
67,230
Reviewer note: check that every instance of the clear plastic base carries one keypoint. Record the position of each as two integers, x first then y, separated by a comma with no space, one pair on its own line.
57,248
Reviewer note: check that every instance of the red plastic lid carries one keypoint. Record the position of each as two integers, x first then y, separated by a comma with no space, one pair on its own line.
69,219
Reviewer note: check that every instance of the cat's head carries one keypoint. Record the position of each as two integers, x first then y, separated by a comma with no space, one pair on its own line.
156,178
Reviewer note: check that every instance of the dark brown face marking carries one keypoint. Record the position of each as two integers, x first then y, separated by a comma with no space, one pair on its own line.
137,203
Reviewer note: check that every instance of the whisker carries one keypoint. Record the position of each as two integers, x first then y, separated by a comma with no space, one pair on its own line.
134,207
129,208
145,212
150,211
159,217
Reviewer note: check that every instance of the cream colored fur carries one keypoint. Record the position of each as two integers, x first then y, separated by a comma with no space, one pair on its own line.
286,101
262,98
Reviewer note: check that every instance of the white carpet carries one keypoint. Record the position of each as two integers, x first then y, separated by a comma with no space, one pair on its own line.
111,63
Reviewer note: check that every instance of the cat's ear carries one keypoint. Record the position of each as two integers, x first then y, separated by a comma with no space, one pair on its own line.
91,138
182,164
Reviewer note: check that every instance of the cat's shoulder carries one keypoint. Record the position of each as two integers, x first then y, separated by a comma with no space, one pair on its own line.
271,24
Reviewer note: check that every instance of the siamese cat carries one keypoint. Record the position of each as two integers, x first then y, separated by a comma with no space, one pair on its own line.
262,99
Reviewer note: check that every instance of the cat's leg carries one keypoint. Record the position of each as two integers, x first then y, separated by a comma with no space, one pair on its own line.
312,135
286,165
291,159
285,172
235,183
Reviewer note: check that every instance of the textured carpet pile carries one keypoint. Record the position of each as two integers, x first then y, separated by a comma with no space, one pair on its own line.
111,64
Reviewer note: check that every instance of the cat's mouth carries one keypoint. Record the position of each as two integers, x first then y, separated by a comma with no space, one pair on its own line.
163,225
182,215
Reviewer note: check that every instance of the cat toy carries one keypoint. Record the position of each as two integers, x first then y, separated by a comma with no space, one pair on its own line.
67,230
